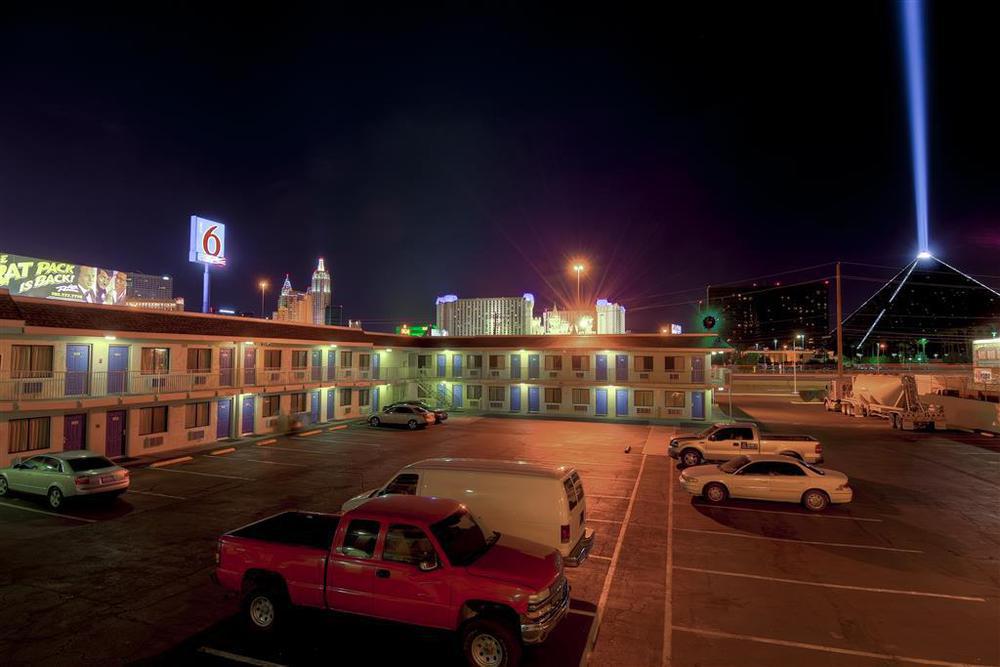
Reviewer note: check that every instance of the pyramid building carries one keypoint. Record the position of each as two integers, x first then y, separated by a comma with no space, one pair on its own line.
928,310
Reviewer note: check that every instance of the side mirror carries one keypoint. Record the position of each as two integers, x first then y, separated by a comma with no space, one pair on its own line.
429,565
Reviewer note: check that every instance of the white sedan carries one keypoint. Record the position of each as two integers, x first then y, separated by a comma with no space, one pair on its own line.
62,475
402,414
781,478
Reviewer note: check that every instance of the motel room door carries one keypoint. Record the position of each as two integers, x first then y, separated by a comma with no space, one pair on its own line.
224,423
533,399
117,368
697,405
601,403
77,369
74,427
314,407
246,423
115,434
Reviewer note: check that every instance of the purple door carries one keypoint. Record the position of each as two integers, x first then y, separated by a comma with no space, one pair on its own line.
226,367
247,422
77,369
73,430
223,424
114,434
249,366
117,369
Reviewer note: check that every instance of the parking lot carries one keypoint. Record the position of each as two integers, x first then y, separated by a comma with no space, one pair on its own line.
908,573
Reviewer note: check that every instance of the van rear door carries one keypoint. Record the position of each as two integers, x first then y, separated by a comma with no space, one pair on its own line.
571,533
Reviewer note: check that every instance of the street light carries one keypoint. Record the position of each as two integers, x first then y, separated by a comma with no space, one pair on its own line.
263,286
578,267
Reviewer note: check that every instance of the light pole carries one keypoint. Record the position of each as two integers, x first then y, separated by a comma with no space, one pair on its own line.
263,286
578,267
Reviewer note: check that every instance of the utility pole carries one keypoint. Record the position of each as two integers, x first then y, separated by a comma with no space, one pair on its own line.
840,340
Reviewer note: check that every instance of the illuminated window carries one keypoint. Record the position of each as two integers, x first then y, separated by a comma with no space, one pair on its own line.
270,405
475,391
345,396
553,362
298,402
28,434
199,360
644,364
31,361
642,398
153,420
364,360
424,361
272,359
346,358
474,361
155,361
195,415
581,362
300,358
496,394
553,395
581,397
674,399
364,397
673,363
498,361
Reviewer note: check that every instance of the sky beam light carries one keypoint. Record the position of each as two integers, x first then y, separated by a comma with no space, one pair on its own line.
913,50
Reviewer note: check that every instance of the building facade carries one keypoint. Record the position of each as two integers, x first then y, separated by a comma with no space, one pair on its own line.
143,287
294,306
126,383
763,316
605,318
490,316
321,291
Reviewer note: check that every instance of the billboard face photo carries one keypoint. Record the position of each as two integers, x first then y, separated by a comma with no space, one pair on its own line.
50,279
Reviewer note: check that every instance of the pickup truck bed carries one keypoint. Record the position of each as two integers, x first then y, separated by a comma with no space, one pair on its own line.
786,438
306,529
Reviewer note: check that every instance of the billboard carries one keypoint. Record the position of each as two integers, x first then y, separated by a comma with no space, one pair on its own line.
208,242
52,279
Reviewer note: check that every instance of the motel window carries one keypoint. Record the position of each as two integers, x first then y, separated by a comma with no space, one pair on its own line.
364,397
581,362
153,420
199,360
345,396
581,397
673,363
155,361
271,405
195,415
272,359
643,364
300,358
475,392
474,360
497,394
553,362
498,362
298,402
642,399
346,358
553,395
364,360
31,361
424,361
28,434
674,399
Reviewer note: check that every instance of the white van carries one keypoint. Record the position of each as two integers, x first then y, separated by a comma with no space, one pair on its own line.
534,501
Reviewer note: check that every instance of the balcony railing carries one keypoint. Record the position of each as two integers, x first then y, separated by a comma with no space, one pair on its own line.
41,385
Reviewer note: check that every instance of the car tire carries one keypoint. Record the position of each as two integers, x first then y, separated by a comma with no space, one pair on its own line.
4,486
691,457
374,421
412,424
815,500
715,493
55,498
264,609
490,642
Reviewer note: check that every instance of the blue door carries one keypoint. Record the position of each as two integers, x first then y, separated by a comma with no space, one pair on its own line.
314,407
515,369
697,405
621,402
533,399
249,369
601,405
247,424
77,369
331,365
376,365
698,370
621,368
74,427
533,366
223,424
456,365
226,367
375,399
117,369
330,398
602,371
442,365
515,396
442,393
456,394
317,365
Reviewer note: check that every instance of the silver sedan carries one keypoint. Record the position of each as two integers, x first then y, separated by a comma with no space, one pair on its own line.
62,475
410,416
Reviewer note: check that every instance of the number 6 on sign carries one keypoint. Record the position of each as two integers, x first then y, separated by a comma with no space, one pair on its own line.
208,242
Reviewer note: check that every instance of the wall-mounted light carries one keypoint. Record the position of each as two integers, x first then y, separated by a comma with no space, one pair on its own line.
111,338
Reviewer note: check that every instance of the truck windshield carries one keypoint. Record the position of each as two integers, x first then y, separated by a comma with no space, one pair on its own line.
462,539
705,432
732,465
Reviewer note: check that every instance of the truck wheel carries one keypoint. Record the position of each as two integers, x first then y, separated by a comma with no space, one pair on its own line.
815,500
488,642
691,457
264,609
412,424
715,493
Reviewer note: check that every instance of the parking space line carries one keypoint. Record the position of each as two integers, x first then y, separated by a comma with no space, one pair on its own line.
203,474
728,533
160,495
612,479
38,511
599,557
893,591
236,657
603,520
597,495
818,647
811,515
583,612
273,463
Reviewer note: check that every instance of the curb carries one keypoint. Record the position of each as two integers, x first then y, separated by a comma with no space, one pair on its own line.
170,462
220,452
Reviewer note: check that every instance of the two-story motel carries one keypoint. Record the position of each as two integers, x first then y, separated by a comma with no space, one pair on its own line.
125,382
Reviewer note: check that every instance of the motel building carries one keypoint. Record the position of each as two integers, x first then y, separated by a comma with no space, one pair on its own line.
125,383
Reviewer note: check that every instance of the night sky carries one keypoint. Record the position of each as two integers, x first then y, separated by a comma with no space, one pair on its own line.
479,151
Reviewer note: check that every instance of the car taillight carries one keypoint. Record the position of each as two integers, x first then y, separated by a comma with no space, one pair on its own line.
844,487
83,480
218,552
564,533
819,448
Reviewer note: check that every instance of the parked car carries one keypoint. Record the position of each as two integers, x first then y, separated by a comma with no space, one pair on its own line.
781,478
440,414
63,475
541,503
413,560
403,415
721,442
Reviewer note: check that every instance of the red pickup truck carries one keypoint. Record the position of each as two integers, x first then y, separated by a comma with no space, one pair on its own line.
412,559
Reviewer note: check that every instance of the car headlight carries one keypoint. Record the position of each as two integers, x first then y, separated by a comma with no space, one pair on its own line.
538,598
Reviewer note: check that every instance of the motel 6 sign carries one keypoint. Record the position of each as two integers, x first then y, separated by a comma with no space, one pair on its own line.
208,242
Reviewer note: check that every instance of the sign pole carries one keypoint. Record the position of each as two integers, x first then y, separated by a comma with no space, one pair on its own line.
204,291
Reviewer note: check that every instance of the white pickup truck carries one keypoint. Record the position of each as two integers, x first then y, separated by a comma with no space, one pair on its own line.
721,442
